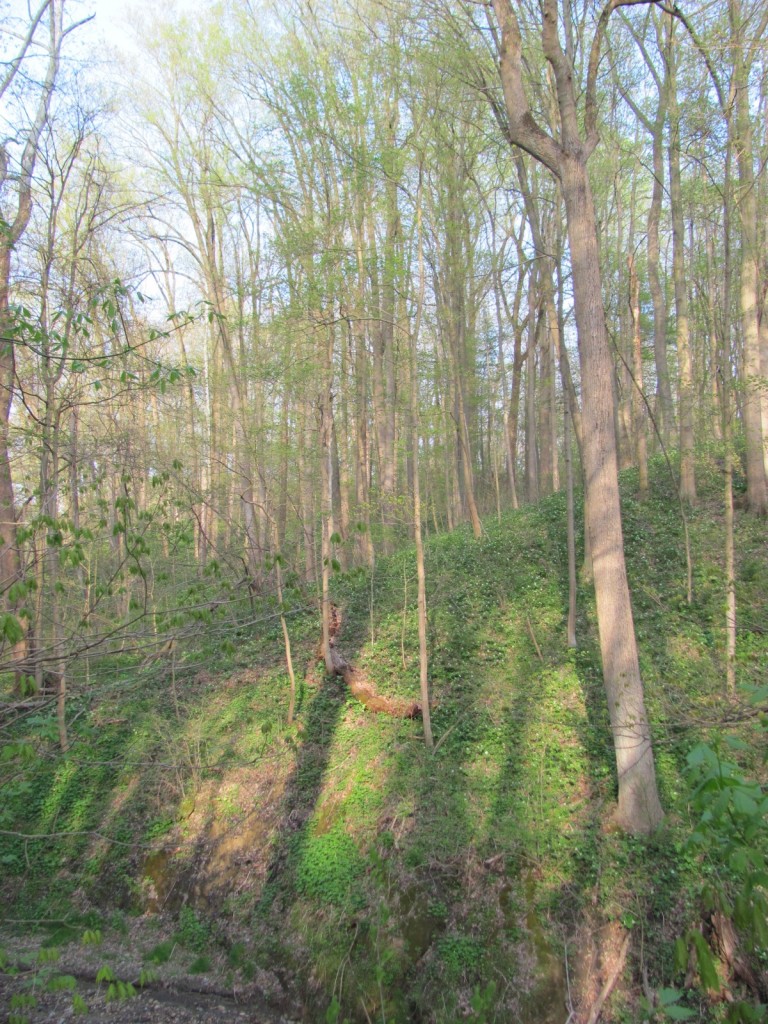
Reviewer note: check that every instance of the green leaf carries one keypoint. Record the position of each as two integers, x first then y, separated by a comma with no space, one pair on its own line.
735,743
743,802
333,1011
667,996
706,963
675,1012
681,954
61,983
10,628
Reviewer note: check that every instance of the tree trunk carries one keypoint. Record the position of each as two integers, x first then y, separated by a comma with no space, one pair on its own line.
570,521
638,405
639,809
684,357
531,448
325,431
420,571
741,132
654,282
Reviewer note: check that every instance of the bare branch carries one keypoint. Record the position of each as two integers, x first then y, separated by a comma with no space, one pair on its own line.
14,66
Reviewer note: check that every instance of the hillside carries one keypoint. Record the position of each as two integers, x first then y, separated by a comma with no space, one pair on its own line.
334,868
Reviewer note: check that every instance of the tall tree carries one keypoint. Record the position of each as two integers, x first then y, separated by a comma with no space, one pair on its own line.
639,808
744,47
16,196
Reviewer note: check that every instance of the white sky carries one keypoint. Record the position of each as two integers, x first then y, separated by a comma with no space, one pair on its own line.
114,20
112,25
114,17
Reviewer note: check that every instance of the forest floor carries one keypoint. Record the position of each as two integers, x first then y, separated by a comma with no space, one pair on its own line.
228,865
168,993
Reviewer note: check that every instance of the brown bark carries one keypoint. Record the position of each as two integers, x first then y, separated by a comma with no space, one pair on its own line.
684,355
570,521
10,562
420,570
741,133
531,446
325,432
724,372
638,808
509,449
624,346
638,805
654,278
638,405
548,342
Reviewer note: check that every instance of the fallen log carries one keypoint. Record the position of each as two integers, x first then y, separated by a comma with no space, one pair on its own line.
361,687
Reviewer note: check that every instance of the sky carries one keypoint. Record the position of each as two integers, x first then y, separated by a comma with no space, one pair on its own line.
113,18
112,23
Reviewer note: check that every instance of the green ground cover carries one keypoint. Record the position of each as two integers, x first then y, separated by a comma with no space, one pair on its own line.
390,883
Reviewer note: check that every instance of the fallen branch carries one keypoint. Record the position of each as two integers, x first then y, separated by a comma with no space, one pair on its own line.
610,981
533,637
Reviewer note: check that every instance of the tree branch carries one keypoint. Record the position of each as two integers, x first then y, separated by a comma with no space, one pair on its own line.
523,129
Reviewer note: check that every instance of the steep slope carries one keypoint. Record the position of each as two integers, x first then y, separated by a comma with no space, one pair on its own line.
338,865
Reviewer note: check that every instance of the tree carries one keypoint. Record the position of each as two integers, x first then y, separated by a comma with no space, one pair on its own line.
639,808
744,48
16,193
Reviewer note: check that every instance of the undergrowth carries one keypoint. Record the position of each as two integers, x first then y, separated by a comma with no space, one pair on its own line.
402,885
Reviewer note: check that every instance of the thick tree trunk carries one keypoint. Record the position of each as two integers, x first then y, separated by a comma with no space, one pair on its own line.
639,809
741,131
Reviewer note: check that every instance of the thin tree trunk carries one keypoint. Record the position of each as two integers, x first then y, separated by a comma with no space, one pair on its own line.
725,373
654,278
509,450
325,431
638,406
420,570
570,520
531,448
684,357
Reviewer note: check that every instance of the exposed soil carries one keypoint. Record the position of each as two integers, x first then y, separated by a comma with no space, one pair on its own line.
153,1006
173,996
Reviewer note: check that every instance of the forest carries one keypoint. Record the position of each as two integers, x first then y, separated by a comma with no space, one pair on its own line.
383,502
